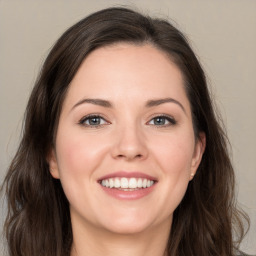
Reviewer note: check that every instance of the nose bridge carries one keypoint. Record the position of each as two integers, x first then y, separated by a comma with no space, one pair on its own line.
130,141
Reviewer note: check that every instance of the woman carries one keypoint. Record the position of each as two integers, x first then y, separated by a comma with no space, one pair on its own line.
122,153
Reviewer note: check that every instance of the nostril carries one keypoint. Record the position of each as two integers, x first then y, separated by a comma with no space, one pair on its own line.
138,156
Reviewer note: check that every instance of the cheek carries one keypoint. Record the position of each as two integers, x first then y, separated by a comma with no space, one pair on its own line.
71,165
78,158
174,154
71,156
78,153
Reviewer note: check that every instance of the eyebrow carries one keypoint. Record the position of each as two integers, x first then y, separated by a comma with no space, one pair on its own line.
157,102
99,102
149,103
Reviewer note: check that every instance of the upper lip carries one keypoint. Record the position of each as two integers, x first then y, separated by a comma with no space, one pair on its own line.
125,174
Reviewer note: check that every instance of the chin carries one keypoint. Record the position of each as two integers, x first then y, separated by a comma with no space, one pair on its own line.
128,224
127,229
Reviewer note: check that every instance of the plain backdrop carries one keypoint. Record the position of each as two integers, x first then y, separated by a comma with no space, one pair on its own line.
222,33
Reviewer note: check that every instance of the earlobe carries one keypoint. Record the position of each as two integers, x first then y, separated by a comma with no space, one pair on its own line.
198,154
53,165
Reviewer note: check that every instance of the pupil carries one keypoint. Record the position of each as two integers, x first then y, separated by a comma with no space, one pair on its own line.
159,120
94,121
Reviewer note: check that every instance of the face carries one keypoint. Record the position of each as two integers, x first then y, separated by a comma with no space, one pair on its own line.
125,145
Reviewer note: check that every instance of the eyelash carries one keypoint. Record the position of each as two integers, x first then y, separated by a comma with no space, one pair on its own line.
171,121
83,120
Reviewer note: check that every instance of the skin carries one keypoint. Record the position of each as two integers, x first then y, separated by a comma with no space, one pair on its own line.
126,138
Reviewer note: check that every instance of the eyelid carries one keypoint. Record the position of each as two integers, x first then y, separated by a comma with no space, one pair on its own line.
171,119
96,115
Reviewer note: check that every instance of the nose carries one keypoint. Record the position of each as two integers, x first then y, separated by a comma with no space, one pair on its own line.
129,144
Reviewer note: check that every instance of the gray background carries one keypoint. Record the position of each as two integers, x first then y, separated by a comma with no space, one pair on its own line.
222,32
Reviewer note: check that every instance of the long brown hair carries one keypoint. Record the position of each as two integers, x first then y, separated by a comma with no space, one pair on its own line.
38,220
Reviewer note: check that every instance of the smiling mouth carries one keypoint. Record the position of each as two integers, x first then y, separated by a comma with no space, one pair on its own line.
127,184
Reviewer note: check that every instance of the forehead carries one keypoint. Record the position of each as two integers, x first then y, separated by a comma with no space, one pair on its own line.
134,58
135,71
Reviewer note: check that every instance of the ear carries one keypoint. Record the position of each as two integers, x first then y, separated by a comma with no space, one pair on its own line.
198,153
53,165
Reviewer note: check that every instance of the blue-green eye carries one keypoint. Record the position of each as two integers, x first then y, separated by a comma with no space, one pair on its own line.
93,121
162,121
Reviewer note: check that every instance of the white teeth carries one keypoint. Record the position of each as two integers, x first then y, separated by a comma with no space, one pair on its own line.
132,183
117,183
124,183
127,183
139,183
144,183
111,183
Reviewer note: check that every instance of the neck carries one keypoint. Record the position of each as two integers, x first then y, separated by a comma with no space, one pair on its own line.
150,242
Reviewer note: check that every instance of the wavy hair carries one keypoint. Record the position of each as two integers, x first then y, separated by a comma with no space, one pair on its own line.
38,220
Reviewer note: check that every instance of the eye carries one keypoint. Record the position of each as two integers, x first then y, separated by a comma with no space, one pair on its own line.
162,121
93,121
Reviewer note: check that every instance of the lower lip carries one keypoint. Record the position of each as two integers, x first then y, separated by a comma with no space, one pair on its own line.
128,195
